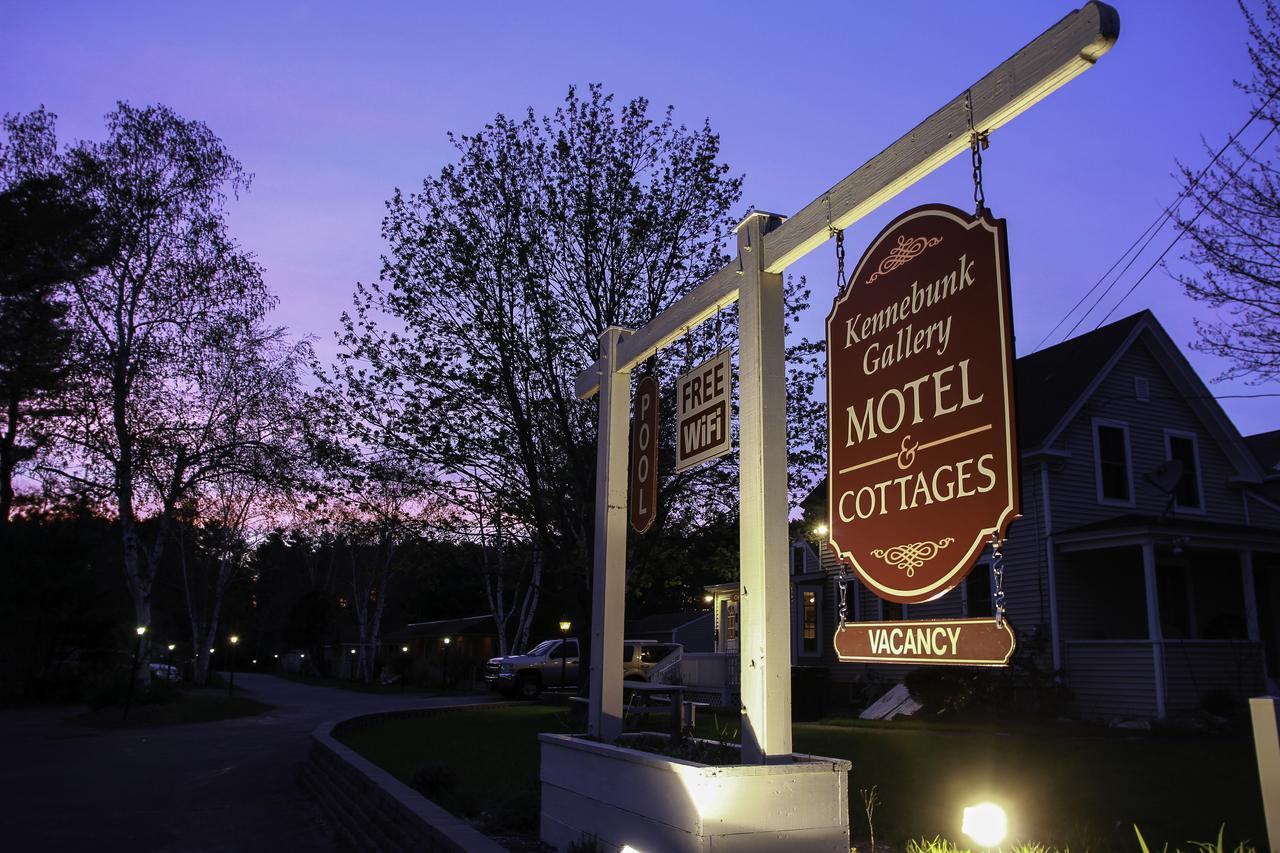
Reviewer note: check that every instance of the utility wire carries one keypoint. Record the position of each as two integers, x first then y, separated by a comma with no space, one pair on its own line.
1183,229
1150,232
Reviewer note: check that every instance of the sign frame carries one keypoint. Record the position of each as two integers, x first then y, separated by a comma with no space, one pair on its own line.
890,573
984,651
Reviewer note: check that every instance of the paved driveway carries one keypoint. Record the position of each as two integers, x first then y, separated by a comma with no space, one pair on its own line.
224,786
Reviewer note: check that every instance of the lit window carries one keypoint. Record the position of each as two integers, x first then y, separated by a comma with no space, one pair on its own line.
809,635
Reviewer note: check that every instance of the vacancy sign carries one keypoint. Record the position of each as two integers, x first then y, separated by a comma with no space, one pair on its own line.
922,452
702,403
644,455
961,642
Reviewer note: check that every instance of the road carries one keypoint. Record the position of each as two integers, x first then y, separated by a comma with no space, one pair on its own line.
209,787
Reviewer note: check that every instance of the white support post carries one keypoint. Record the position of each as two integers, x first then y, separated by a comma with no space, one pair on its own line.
1266,743
608,587
765,613
1154,631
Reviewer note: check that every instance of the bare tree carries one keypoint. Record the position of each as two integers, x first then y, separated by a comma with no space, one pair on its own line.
1234,228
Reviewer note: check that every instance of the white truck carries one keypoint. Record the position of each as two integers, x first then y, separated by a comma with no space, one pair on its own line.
553,665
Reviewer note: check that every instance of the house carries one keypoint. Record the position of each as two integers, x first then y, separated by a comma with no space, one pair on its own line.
442,652
1145,568
694,631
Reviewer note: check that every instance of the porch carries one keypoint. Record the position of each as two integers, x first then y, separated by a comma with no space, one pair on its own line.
1165,617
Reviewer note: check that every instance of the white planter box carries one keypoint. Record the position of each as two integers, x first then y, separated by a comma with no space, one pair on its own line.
652,804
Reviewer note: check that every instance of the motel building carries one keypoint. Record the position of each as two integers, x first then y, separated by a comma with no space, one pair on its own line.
1145,569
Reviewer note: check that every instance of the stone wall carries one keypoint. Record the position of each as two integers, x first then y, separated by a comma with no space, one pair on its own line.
369,809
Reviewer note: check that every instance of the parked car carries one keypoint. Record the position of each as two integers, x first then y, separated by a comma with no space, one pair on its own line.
164,672
553,665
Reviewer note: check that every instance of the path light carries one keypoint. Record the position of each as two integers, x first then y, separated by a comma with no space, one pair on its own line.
233,639
985,823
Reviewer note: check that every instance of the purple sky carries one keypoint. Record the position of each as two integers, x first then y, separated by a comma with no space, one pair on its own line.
334,105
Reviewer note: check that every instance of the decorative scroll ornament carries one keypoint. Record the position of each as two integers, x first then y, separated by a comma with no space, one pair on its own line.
908,558
907,249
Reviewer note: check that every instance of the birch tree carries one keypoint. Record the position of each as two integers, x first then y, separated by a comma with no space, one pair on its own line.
157,399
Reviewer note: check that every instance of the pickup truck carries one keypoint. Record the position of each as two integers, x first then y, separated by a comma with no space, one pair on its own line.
553,665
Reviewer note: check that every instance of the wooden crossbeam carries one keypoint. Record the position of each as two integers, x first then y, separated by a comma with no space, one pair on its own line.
1063,52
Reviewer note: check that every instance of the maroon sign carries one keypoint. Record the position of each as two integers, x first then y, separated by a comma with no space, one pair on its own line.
922,460
702,411
644,455
960,642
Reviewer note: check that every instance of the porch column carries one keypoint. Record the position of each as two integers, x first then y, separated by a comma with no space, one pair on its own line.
1154,632
1250,596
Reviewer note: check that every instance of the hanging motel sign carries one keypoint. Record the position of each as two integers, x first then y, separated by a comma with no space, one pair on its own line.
644,455
702,406
922,452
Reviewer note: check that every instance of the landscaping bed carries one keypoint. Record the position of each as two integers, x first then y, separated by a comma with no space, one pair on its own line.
1064,786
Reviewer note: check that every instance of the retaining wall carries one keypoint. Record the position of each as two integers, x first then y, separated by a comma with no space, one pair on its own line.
369,809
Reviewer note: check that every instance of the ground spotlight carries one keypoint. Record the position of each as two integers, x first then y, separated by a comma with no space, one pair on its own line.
985,823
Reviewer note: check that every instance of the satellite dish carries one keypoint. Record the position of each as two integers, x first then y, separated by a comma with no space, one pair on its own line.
1166,475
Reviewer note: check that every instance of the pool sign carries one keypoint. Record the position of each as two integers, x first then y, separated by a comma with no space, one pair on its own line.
702,400
644,455
962,642
922,450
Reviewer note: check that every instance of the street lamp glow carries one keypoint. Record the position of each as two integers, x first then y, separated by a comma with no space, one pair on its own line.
353,651
565,625
172,646
142,629
448,640
212,651
233,639
404,649
277,657
985,823
302,654
708,598
820,529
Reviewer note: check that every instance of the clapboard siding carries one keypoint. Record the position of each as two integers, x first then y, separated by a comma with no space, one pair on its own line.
1263,514
1195,668
1073,481
1111,679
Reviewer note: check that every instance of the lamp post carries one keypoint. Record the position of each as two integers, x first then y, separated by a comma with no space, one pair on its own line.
231,684
133,670
444,671
565,625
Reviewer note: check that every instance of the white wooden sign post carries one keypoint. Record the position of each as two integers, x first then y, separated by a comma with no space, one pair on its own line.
766,247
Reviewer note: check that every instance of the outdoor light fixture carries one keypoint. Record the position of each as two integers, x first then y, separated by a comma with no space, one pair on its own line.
255,661
448,640
404,648
708,598
820,529
565,626
985,823
142,629
302,654
212,651
233,639
172,646
353,651
277,657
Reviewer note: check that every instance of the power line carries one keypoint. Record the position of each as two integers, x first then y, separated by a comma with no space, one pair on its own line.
1184,228
1149,234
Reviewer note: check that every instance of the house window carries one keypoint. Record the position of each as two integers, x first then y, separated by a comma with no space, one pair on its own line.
809,621
731,622
1111,451
977,592
1181,447
798,563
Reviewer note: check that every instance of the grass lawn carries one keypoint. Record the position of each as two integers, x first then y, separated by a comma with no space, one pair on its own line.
188,706
1062,786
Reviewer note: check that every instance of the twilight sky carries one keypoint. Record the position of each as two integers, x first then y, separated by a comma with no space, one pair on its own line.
332,105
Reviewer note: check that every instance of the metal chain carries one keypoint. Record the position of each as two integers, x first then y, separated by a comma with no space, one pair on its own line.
840,280
842,584
997,570
979,141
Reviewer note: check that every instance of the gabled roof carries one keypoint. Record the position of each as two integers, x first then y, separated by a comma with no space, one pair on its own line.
1062,378
1051,381
1265,447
